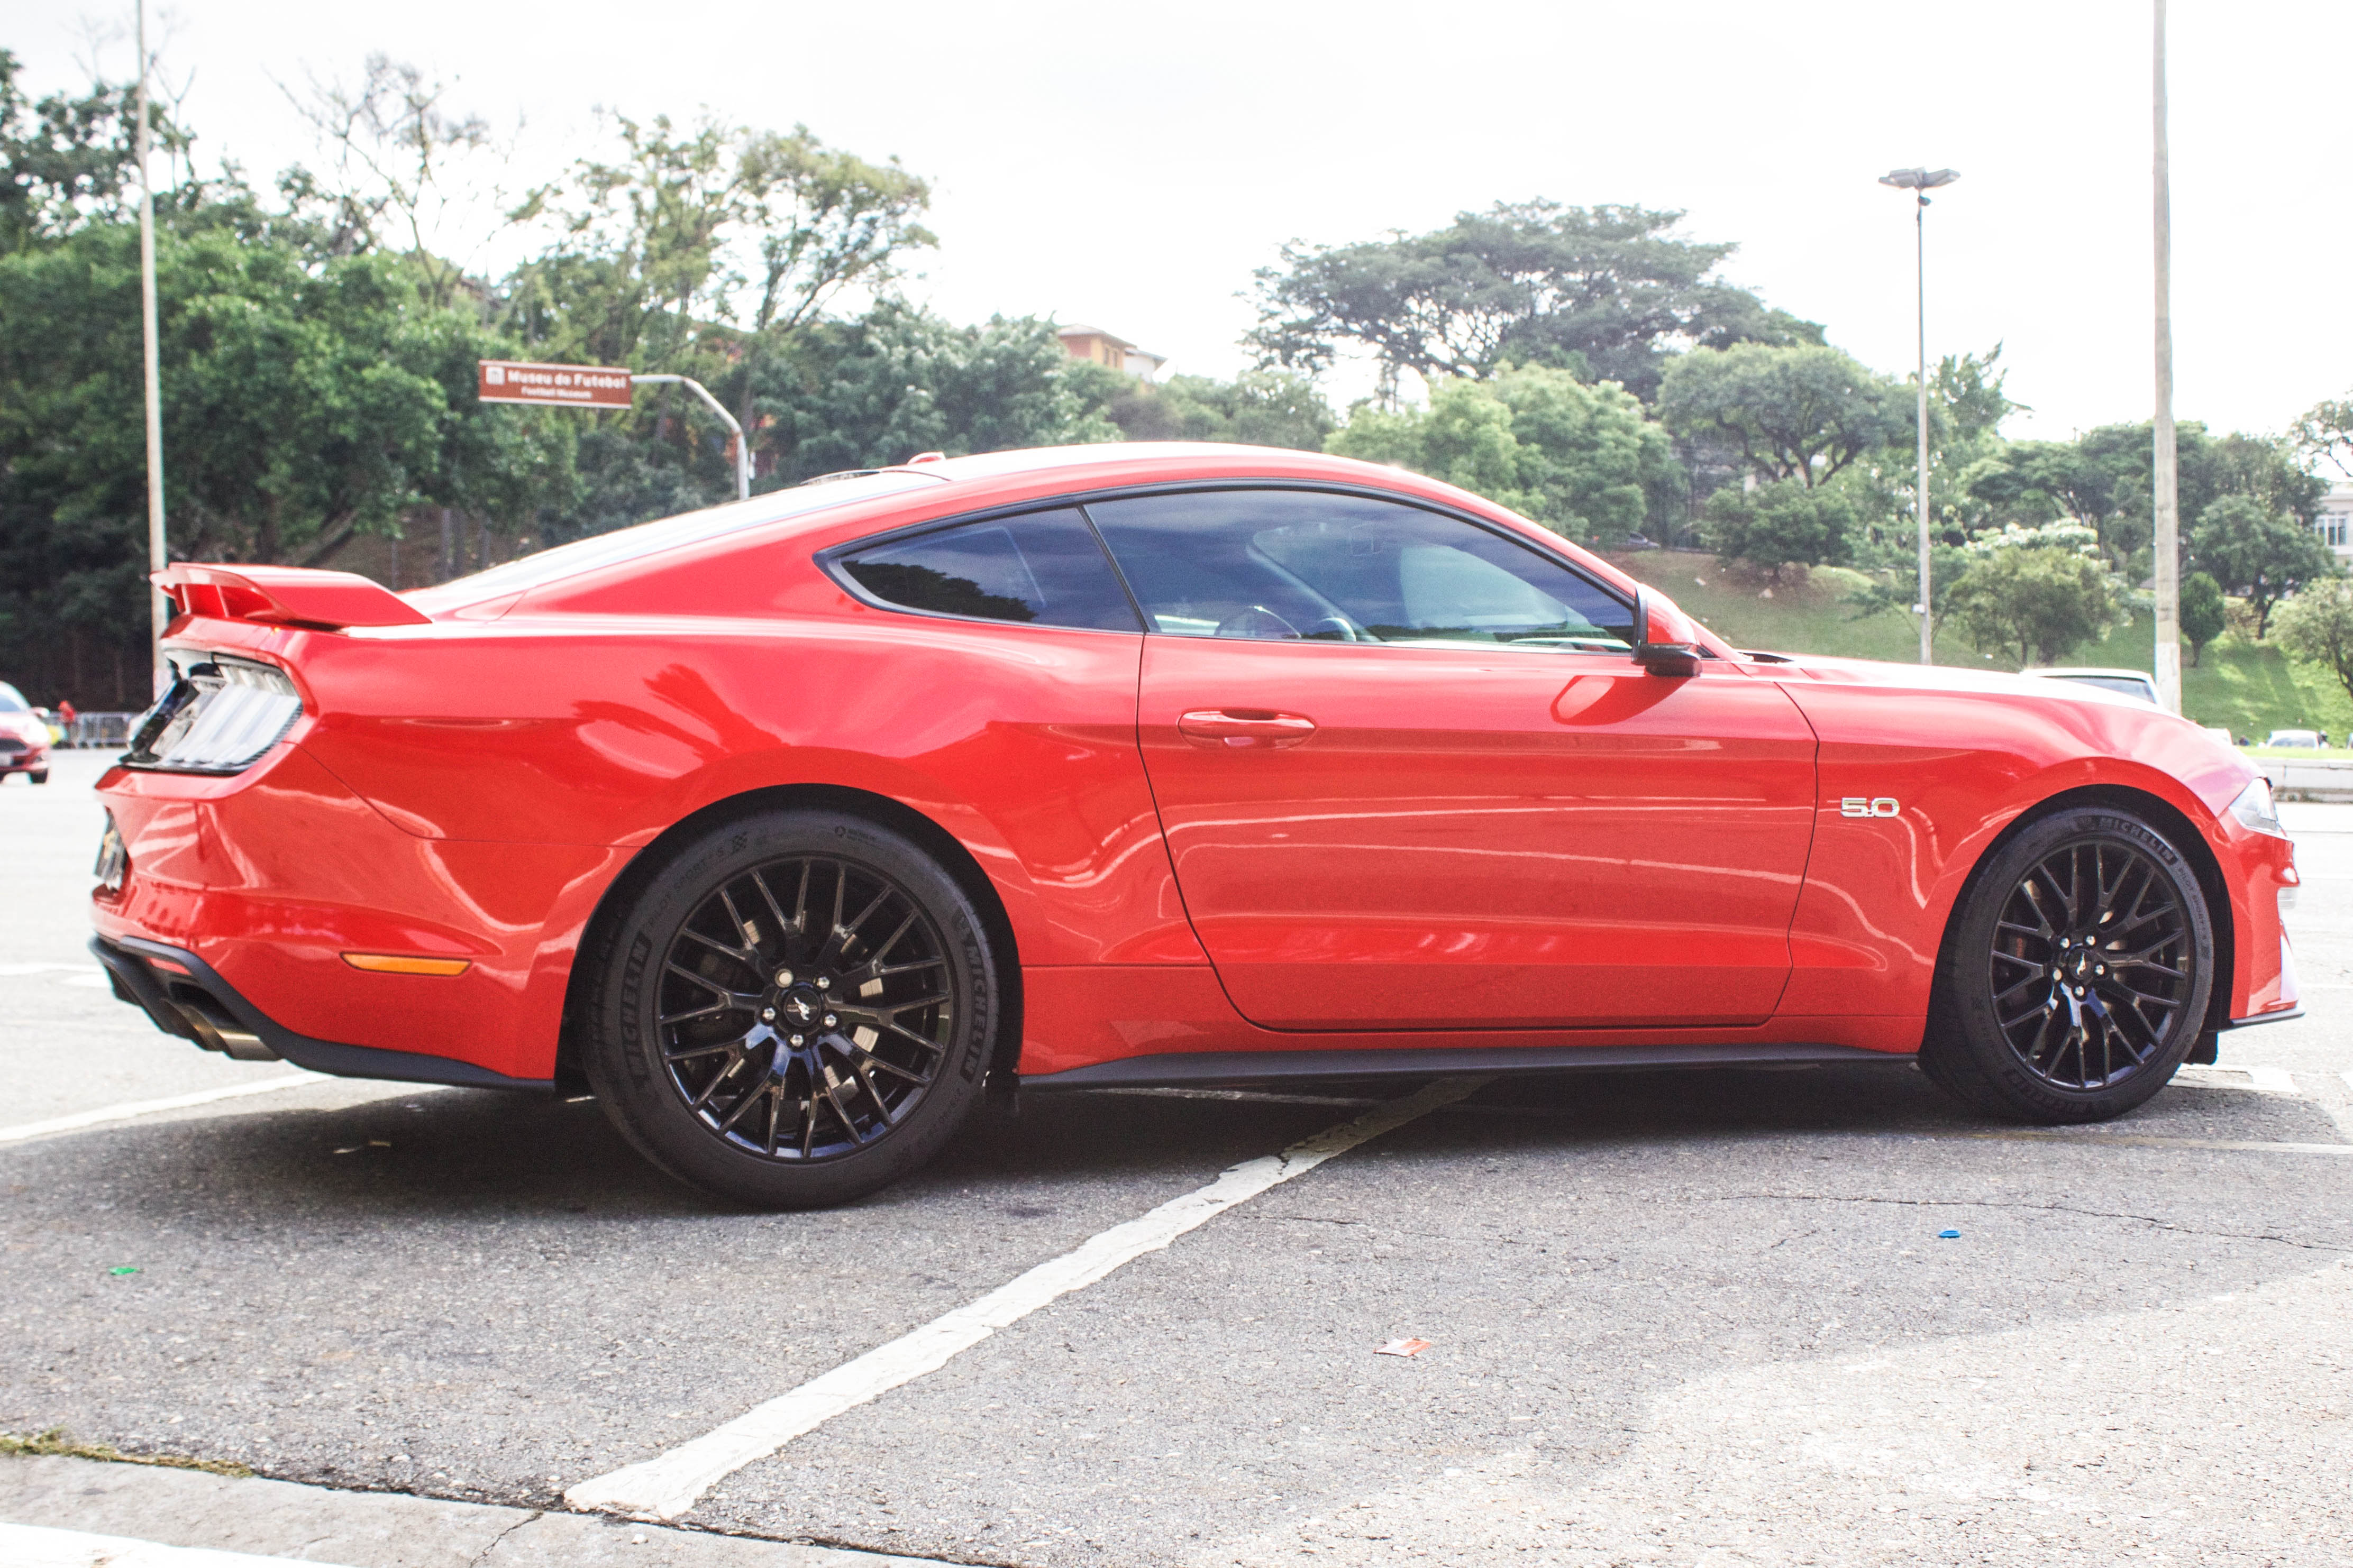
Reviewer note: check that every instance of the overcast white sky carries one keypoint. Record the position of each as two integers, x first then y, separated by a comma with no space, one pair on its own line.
1129,165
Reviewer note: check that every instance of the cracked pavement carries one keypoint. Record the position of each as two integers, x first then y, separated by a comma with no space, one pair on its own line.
1675,1318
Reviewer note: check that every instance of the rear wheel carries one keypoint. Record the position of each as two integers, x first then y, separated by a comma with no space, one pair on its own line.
797,1010
40,777
2078,973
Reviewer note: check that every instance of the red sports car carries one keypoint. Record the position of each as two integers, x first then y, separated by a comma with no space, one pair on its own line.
788,826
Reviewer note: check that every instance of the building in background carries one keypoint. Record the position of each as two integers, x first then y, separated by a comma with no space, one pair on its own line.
1094,343
2335,523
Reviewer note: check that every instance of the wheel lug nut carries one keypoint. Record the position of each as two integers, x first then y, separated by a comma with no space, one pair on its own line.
2079,991
830,1020
796,1040
784,977
767,1014
825,983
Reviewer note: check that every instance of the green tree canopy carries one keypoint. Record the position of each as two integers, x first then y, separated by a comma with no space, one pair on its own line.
1797,415
2316,627
1607,291
2204,616
2262,554
2037,594
1257,408
1781,524
1579,458
900,380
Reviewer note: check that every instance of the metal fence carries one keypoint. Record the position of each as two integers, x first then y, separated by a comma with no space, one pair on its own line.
100,730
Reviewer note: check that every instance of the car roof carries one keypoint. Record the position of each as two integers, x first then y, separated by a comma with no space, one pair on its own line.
982,477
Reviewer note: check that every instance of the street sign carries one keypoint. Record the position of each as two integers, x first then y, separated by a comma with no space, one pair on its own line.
574,385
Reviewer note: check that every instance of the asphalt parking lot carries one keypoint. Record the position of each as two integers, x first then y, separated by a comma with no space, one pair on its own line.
1672,1318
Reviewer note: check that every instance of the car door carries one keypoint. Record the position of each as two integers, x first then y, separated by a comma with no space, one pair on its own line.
1413,777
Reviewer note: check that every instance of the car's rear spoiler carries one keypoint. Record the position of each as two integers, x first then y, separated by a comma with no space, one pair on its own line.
285,596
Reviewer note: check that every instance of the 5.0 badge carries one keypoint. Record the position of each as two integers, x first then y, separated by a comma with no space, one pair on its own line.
1877,806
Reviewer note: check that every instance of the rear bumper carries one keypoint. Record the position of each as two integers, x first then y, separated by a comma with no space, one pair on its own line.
183,996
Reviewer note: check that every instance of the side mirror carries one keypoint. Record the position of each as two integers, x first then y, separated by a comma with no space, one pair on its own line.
1666,642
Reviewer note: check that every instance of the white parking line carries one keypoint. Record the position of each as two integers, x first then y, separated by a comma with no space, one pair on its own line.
137,1108
38,1546
668,1484
2261,1079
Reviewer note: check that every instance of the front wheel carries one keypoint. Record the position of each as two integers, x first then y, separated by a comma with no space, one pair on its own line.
2078,975
798,1009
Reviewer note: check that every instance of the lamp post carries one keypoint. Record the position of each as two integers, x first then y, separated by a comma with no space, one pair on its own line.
743,447
2166,507
158,611
1920,182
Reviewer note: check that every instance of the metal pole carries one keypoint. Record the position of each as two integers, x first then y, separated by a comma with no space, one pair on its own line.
158,611
2168,543
1920,497
743,447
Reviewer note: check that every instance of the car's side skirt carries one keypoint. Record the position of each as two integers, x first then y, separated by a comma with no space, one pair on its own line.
1194,1069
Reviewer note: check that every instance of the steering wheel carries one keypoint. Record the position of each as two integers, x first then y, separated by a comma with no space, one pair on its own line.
1258,622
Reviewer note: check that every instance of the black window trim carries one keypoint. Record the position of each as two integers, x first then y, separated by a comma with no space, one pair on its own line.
832,559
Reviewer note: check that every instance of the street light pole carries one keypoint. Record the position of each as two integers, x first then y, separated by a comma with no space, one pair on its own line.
158,614
2167,507
1920,182
743,447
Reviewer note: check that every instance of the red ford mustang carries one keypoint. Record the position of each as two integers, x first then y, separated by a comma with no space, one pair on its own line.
785,828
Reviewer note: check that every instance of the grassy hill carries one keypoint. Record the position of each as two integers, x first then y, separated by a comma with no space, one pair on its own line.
2246,685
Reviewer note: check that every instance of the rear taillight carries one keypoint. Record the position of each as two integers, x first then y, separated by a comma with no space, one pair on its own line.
218,717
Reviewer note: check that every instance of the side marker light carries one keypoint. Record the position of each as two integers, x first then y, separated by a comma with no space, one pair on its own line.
403,963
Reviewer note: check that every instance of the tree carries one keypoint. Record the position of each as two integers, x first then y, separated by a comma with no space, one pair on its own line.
2038,593
1793,414
1607,291
1580,459
1785,523
2261,554
703,250
67,162
2325,434
900,380
1257,408
2316,626
2203,613
398,176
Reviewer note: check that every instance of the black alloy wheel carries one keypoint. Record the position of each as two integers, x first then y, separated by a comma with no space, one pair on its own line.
2078,972
797,1010
804,1026
2091,960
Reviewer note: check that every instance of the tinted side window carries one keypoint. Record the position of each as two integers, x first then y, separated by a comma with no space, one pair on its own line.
1045,568
1339,568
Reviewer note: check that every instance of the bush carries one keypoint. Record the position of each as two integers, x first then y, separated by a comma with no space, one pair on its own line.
1781,524
2039,593
1579,459
2204,614
2315,627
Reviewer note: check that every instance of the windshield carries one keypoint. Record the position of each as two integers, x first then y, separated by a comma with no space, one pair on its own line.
668,534
13,700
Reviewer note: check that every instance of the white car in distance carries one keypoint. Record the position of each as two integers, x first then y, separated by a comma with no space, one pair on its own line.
2136,683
